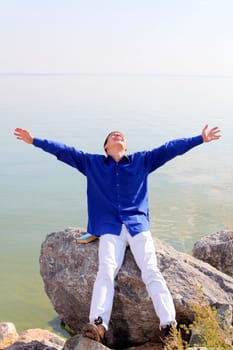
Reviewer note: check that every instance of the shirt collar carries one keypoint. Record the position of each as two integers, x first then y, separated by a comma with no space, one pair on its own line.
125,159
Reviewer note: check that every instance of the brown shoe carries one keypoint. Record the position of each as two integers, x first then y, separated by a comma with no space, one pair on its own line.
86,238
94,332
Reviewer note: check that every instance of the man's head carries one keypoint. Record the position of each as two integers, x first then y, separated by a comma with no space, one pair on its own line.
115,140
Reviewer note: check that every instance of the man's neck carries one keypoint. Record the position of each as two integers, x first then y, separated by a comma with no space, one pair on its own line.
117,155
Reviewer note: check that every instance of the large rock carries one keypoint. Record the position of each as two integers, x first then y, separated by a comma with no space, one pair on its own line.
36,339
69,271
217,250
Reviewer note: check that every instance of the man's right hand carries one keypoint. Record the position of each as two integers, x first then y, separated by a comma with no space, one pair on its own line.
23,135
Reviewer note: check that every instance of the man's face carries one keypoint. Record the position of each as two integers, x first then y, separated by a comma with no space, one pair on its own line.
115,140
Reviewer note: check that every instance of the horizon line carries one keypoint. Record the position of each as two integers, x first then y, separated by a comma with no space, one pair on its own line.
109,74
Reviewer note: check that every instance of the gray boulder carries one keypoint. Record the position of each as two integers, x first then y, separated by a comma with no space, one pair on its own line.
217,250
69,269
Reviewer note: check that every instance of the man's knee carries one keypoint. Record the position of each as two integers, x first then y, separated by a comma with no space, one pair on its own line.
107,272
152,275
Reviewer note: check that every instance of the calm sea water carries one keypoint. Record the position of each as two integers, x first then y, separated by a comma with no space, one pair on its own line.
190,196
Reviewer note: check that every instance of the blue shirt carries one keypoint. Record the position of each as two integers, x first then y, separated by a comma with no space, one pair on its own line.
117,193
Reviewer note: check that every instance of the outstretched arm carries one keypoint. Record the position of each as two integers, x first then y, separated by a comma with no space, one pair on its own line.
23,135
210,135
62,152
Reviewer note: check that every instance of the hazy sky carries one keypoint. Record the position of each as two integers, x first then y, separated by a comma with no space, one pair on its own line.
117,36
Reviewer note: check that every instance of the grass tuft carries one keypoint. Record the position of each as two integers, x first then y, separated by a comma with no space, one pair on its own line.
210,331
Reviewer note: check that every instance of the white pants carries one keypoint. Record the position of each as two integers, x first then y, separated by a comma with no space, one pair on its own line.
111,254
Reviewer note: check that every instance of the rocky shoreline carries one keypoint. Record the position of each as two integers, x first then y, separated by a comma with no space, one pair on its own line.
68,270
40,339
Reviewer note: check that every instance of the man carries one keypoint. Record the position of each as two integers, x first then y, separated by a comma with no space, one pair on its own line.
118,214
